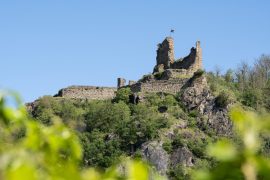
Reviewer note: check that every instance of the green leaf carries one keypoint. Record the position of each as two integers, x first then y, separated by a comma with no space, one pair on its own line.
223,150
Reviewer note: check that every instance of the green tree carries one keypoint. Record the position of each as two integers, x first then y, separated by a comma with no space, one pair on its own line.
251,98
229,76
105,116
52,152
123,94
100,150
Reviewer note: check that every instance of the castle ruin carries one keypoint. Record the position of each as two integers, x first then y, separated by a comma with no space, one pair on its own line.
187,65
169,75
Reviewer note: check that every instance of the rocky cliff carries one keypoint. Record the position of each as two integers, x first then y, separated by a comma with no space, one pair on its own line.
210,120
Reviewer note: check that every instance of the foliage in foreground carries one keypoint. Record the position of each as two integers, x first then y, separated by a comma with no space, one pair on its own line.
30,150
242,159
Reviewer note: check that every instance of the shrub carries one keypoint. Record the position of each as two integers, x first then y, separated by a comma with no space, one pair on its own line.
122,94
146,77
167,146
178,112
197,148
178,141
192,122
153,99
169,100
194,113
198,73
223,100
251,98
158,75
179,172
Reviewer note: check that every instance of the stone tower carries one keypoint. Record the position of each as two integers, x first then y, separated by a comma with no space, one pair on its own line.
165,53
121,82
198,58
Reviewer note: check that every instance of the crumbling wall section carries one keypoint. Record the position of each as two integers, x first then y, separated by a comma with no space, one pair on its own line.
192,62
186,62
87,92
166,86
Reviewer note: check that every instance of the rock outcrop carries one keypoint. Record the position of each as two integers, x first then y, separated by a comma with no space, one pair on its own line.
182,156
196,95
156,155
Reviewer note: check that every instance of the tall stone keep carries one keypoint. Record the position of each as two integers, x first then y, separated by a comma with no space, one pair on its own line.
121,82
165,53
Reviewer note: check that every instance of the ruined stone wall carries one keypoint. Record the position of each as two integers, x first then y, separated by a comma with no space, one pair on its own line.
192,62
87,92
165,58
165,53
166,86
186,62
175,74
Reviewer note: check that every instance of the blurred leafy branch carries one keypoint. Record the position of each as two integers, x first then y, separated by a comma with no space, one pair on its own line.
241,158
30,150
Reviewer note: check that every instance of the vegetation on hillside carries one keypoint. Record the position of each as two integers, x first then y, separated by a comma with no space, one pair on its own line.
107,130
63,138
30,150
248,85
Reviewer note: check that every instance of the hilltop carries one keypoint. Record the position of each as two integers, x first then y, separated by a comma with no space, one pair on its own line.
167,117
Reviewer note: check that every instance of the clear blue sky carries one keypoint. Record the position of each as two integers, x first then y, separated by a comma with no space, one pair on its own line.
48,45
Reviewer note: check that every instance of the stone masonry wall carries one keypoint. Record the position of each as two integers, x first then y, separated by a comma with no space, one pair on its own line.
166,86
165,53
87,92
192,62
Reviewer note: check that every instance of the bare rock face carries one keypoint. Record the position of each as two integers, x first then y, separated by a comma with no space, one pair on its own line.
182,156
156,155
217,119
197,96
